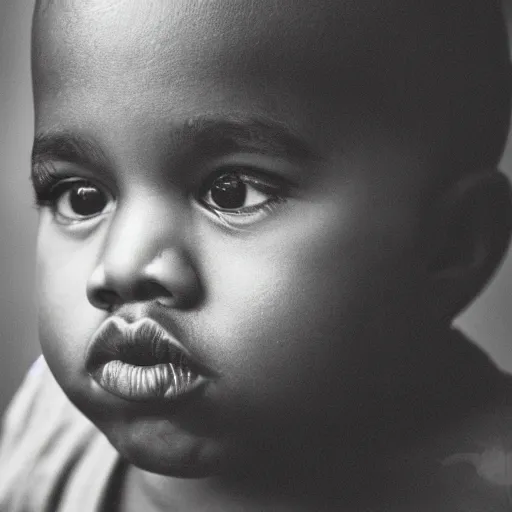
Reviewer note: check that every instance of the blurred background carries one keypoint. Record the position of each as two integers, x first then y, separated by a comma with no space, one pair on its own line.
489,320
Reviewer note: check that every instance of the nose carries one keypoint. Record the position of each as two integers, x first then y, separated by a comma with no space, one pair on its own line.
145,257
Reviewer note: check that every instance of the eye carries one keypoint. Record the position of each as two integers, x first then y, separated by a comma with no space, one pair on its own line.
80,200
238,193
241,197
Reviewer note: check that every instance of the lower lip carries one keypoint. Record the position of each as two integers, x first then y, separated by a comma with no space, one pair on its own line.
142,383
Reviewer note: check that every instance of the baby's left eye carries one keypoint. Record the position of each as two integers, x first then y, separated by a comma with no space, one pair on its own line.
236,193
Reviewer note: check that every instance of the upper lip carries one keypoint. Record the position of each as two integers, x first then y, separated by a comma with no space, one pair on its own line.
143,342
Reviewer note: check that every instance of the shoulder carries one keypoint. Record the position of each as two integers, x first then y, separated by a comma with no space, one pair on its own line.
51,456
478,456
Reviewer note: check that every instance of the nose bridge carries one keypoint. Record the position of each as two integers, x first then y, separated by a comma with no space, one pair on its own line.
141,229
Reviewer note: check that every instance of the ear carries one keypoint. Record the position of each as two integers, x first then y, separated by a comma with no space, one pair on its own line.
468,233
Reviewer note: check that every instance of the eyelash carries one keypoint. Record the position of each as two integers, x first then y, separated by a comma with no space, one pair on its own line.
49,187
46,184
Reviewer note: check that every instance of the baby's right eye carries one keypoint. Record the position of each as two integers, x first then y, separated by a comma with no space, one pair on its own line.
79,200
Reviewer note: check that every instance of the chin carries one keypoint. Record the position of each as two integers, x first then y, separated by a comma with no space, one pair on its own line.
178,465
173,454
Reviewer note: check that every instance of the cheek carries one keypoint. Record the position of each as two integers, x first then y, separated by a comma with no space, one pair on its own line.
66,318
291,312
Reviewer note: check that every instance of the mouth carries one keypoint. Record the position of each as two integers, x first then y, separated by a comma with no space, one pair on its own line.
141,361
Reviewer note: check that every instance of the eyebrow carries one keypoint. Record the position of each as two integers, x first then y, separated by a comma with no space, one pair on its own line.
204,137
67,147
213,137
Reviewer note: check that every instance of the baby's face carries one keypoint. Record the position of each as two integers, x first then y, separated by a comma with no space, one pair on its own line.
211,172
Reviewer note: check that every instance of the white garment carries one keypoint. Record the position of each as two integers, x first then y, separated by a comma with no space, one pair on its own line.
52,459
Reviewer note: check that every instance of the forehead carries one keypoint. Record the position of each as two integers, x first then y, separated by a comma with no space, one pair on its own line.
192,20
306,63
256,37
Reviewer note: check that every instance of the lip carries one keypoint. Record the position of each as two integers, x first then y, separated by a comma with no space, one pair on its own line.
141,361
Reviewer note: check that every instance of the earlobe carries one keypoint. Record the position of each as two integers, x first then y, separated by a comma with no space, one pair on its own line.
468,233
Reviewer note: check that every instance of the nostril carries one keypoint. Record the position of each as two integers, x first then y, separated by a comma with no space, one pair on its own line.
170,282
105,299
152,290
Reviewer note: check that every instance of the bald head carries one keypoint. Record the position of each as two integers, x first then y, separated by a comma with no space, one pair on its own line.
437,67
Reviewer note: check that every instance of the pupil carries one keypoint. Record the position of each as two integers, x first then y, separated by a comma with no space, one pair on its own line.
229,192
87,200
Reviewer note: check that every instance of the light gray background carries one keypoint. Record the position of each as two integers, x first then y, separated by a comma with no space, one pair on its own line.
489,320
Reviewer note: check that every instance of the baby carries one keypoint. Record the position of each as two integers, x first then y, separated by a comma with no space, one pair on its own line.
258,220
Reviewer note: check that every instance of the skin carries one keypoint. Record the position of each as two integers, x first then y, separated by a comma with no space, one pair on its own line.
285,309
